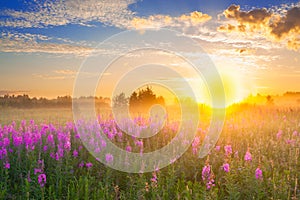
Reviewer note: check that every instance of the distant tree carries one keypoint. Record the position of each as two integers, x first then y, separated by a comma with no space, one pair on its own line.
270,100
144,99
120,101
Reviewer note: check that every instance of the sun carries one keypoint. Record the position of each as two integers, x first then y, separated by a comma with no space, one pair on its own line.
236,87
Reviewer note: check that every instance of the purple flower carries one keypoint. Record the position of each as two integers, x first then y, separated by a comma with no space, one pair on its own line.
205,172
88,165
196,142
7,165
218,148
128,148
279,134
208,177
75,153
81,164
42,179
45,148
228,150
37,171
258,174
226,167
295,133
248,156
6,142
109,158
154,178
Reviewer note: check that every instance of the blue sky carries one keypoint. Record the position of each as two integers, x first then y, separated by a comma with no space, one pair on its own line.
45,42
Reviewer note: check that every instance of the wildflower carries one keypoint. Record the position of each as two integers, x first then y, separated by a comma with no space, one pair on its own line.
6,142
228,150
103,143
42,179
154,180
295,133
218,148
7,165
45,148
248,156
205,172
89,165
279,134
128,148
37,171
226,167
81,164
109,158
290,142
258,173
75,153
207,176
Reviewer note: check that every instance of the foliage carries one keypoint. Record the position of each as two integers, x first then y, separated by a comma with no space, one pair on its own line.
260,137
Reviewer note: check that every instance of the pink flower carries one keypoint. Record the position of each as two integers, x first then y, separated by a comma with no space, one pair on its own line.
45,148
89,165
81,164
154,180
205,172
290,142
228,150
218,148
42,179
109,158
128,148
75,153
226,167
248,156
7,165
37,171
279,134
258,174
295,133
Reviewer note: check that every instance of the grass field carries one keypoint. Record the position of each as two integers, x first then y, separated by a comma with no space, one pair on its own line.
256,157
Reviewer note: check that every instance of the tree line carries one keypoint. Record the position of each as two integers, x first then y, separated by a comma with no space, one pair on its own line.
24,101
142,99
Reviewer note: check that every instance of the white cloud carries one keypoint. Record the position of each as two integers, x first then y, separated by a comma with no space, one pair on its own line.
57,13
28,43
36,43
158,21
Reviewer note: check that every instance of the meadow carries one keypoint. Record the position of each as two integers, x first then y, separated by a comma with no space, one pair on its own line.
256,157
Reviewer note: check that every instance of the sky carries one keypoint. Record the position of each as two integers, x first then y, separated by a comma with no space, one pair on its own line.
254,45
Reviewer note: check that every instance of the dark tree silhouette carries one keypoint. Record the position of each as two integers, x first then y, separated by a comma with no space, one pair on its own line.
270,100
144,99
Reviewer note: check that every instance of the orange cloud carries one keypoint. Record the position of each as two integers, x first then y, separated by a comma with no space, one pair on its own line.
158,21
273,26
252,20
287,24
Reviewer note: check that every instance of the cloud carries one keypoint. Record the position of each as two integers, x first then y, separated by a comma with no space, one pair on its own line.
36,43
251,20
65,72
158,21
288,26
280,27
17,45
57,75
58,13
